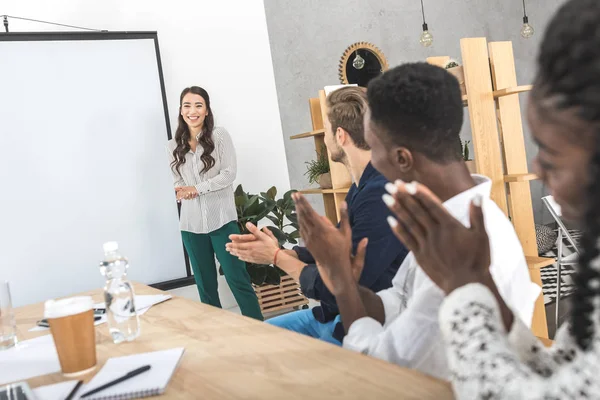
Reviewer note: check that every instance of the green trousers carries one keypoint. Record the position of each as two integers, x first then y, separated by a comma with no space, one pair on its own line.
201,249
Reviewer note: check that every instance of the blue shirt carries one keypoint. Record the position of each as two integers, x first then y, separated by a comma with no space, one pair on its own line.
368,219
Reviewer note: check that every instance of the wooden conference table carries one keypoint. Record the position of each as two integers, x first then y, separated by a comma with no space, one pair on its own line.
228,356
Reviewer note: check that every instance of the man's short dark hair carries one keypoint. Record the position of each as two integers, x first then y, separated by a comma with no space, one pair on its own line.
419,106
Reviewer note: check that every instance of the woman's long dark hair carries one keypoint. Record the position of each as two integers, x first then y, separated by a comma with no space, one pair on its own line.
182,135
569,72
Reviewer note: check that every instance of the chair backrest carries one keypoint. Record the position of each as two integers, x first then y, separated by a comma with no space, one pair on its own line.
555,210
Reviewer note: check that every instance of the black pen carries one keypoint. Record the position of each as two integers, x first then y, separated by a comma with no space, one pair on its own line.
75,389
129,375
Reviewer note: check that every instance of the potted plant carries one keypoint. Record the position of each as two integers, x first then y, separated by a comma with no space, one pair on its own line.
464,150
274,288
457,70
318,170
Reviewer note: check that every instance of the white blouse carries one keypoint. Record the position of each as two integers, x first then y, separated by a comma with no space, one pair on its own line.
486,363
215,205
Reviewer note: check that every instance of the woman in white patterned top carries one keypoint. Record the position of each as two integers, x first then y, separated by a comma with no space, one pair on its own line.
203,164
492,355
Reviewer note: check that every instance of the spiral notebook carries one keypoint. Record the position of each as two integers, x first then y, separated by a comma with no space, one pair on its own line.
150,383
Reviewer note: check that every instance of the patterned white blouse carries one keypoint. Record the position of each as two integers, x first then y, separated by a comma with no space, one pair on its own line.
486,363
215,205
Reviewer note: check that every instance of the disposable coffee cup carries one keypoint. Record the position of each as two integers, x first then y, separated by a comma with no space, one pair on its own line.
72,325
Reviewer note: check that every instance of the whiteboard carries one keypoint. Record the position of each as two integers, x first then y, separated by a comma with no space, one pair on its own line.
82,162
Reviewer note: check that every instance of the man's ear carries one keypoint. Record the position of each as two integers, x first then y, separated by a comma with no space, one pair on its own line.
342,136
404,159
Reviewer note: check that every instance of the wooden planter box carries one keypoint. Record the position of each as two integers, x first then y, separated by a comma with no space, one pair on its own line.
280,297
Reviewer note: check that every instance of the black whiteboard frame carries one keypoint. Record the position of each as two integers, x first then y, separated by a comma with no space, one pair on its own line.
134,35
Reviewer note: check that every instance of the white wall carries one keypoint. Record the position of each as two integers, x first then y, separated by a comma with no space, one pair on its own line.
222,45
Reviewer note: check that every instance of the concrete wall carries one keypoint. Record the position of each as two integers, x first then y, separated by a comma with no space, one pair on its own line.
308,38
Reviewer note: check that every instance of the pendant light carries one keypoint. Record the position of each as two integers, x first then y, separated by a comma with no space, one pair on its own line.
426,39
526,30
359,62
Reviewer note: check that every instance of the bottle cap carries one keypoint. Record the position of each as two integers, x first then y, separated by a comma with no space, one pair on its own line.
109,247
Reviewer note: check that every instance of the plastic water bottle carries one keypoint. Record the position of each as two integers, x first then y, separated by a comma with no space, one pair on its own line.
122,318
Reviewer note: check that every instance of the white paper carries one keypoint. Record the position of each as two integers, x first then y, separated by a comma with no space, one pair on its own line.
57,391
333,88
28,359
163,365
142,302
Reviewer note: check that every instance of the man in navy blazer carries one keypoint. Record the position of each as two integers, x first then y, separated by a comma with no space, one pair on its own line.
344,137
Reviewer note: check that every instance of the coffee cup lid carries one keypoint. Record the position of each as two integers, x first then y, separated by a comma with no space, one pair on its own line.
65,307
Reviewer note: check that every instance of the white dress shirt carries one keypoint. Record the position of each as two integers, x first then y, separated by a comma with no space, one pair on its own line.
411,334
215,205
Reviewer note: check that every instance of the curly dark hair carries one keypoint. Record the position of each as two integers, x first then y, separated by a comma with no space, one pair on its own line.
569,73
419,106
182,134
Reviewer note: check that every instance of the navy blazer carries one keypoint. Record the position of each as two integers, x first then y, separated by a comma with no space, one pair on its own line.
368,218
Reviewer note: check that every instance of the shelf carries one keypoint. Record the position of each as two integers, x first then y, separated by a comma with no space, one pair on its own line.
520,177
511,90
324,191
318,132
539,262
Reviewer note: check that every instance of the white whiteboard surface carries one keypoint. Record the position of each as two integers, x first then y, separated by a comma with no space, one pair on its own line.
82,162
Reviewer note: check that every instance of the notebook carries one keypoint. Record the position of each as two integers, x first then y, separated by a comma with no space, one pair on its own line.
150,383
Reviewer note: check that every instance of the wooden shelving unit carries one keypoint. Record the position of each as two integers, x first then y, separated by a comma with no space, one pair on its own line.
497,129
332,198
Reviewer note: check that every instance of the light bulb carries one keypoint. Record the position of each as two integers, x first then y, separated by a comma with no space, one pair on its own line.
527,30
426,37
359,62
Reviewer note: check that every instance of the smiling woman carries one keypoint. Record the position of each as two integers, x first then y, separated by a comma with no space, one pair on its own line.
204,166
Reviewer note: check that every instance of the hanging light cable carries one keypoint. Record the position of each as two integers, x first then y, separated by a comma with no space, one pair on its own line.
426,39
526,30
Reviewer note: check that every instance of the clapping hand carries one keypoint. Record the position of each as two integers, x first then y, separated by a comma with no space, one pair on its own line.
258,247
451,254
331,247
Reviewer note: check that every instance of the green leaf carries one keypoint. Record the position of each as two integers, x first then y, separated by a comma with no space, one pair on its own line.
293,218
294,235
258,273
278,234
273,220
251,202
272,193
272,276
239,191
288,195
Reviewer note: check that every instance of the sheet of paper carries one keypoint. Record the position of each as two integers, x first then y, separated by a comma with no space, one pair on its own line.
142,302
28,359
57,391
